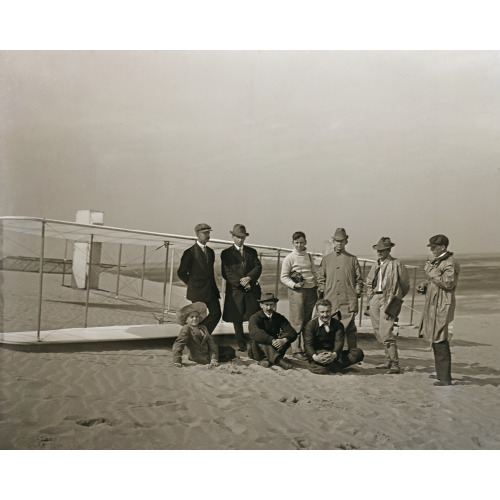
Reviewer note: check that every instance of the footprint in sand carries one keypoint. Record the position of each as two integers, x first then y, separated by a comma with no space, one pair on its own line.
90,422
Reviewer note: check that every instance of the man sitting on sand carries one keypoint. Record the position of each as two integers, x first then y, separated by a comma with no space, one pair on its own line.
201,345
324,341
271,334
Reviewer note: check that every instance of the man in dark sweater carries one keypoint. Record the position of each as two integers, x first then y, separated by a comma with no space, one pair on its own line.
324,341
271,334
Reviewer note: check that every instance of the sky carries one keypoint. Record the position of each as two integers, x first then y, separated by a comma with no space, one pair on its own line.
402,144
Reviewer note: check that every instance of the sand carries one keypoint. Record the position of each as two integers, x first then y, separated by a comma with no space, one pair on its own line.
129,396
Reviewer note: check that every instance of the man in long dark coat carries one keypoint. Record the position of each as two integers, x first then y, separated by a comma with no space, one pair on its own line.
241,268
196,270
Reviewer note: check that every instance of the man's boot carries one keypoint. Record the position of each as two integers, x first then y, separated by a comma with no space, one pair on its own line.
393,355
387,364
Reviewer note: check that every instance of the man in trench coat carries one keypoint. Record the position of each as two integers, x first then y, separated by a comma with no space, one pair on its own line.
442,272
241,268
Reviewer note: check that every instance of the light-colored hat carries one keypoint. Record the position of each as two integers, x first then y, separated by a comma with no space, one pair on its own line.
384,243
268,297
239,230
202,227
183,313
340,234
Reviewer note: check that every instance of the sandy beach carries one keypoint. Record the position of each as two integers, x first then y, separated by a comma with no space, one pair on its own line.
127,395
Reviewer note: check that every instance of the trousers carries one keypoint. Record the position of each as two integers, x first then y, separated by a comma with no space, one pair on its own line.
346,359
214,314
383,328
302,302
442,360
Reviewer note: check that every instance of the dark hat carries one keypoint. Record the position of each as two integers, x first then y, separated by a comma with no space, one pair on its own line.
383,243
268,297
203,226
340,234
183,313
439,239
239,230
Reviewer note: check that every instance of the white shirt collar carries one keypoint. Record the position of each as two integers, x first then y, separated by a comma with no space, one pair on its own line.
200,245
238,248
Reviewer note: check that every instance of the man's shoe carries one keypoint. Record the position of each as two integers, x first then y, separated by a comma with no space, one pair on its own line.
441,383
384,366
242,348
394,370
300,356
433,376
284,364
264,363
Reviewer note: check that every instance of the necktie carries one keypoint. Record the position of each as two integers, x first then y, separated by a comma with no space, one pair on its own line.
326,327
205,253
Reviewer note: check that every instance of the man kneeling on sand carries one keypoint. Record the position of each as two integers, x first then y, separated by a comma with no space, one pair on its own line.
271,334
324,341
201,345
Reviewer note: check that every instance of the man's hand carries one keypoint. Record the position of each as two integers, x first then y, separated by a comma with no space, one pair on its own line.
213,362
387,317
178,365
245,281
422,288
324,358
300,284
278,343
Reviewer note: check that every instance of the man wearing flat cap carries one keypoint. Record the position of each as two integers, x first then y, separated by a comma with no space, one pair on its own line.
387,284
241,268
196,270
271,334
341,282
442,272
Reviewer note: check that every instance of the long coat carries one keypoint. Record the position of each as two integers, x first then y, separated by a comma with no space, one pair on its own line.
197,271
439,309
341,279
239,304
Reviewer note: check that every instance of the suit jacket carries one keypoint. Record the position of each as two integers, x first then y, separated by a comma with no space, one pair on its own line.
317,339
239,305
264,330
197,272
201,349
395,279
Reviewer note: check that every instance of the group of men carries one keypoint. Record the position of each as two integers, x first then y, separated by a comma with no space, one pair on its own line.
338,284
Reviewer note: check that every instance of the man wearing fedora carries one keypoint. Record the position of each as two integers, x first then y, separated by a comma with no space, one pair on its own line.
341,282
241,268
387,284
324,342
271,334
442,272
196,270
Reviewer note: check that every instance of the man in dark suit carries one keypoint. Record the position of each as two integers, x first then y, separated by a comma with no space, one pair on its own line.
271,334
241,268
197,272
324,342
